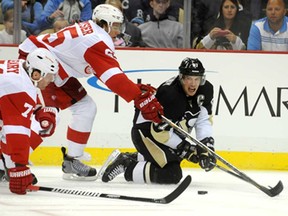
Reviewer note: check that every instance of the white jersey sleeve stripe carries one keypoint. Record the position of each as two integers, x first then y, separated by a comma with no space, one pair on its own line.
15,129
110,73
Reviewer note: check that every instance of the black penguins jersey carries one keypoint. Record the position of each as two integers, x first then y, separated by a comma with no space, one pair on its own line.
187,111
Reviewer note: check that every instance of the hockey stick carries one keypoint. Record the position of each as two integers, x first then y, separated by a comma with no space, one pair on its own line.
227,171
165,200
269,191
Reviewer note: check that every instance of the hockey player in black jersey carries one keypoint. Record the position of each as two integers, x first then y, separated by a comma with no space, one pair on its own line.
187,100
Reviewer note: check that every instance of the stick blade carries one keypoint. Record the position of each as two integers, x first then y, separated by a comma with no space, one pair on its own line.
272,192
178,191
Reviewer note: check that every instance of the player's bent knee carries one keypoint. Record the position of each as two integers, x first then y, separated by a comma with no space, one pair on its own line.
170,174
86,107
175,173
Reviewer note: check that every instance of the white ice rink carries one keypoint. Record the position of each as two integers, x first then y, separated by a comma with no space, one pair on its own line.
227,196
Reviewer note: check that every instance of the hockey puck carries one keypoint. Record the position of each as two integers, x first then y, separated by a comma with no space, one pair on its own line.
202,192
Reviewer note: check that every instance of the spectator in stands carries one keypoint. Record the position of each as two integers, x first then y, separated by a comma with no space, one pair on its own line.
94,3
72,10
31,16
137,21
160,31
254,7
131,8
130,35
6,35
173,11
6,5
59,24
270,33
43,2
31,12
204,15
140,10
244,11
230,31
9,4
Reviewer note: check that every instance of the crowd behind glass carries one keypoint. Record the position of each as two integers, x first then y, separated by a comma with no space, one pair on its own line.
217,24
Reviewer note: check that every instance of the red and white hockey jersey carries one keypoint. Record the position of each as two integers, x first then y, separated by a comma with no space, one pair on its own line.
84,49
18,98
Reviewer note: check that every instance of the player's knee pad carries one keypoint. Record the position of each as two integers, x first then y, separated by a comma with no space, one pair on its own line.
83,114
170,174
86,107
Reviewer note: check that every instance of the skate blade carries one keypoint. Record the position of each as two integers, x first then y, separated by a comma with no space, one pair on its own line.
74,177
109,160
4,179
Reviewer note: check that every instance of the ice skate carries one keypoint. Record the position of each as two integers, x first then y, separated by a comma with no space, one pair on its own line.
3,176
118,166
109,160
75,170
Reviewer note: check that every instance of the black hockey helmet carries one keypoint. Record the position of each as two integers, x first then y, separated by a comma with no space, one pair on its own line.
191,67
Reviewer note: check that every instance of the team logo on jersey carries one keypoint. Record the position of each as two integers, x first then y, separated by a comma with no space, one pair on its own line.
110,53
200,99
89,70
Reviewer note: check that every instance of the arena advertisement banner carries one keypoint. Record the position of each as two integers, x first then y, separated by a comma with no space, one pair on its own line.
250,100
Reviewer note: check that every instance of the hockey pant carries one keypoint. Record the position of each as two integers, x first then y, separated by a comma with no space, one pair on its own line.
73,95
161,165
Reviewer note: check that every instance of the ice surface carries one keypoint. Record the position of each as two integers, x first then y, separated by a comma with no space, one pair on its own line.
227,195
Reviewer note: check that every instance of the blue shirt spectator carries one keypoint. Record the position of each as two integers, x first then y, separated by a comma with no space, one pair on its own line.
270,33
6,5
31,17
6,35
262,37
31,13
54,9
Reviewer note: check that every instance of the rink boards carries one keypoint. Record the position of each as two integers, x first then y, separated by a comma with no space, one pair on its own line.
250,106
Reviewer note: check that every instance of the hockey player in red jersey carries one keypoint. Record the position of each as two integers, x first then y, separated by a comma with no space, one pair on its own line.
84,49
187,101
19,80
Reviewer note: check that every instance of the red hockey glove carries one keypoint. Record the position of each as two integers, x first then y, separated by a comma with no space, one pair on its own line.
148,104
46,116
20,178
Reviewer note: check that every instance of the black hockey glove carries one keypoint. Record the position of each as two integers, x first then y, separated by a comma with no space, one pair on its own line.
207,161
187,151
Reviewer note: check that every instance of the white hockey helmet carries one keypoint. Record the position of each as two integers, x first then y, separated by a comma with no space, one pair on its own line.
108,13
43,61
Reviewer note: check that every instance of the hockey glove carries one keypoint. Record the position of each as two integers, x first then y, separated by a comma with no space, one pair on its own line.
46,116
207,161
148,104
187,151
20,178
